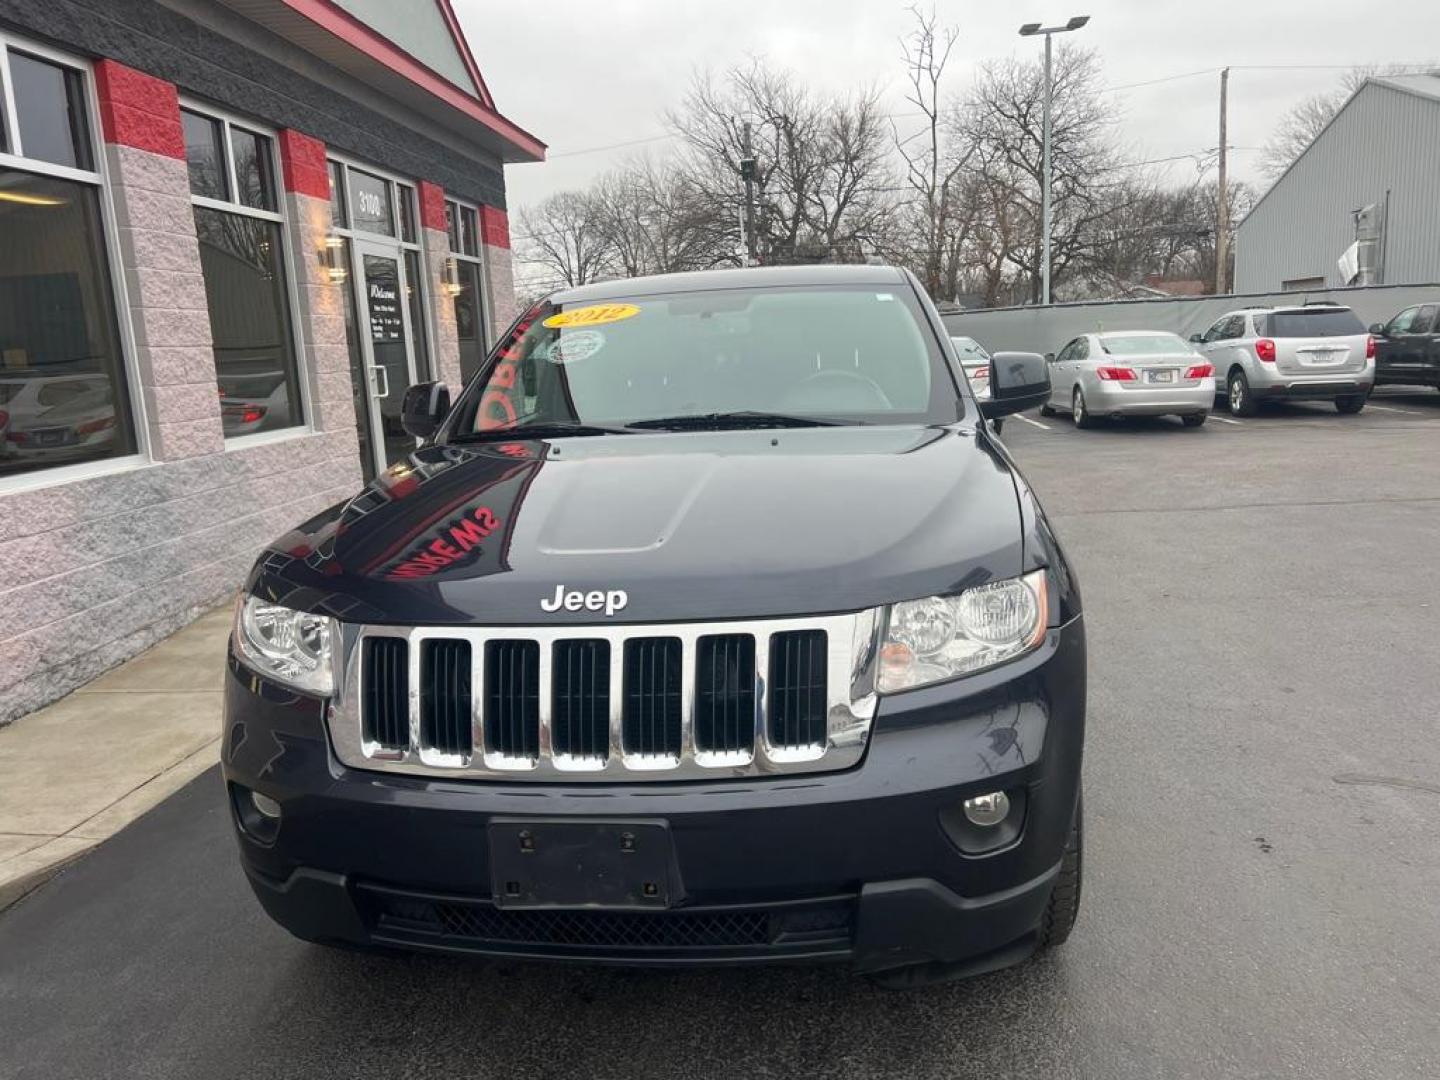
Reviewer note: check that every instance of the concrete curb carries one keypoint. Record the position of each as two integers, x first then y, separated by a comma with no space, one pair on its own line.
33,868
76,772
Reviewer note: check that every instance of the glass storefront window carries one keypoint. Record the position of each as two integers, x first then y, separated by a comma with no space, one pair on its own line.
419,340
337,195
452,225
249,321
254,173
370,209
407,213
63,395
469,245
50,106
242,259
469,319
205,156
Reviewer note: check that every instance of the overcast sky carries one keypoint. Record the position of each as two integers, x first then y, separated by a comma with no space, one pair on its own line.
586,74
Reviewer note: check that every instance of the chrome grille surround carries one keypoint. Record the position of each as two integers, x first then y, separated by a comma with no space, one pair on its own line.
850,705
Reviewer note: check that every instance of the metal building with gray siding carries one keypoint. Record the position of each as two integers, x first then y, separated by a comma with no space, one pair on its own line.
1383,145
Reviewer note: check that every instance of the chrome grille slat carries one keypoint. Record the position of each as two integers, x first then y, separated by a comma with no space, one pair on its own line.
728,720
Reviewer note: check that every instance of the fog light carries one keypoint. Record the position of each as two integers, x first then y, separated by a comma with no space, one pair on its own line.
989,809
269,808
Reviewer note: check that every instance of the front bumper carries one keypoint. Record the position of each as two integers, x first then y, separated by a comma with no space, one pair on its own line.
862,866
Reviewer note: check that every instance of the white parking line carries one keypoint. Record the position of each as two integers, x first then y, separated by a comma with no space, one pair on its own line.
1391,408
1042,427
1226,420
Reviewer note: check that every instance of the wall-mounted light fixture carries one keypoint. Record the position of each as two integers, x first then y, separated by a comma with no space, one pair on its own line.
332,258
451,279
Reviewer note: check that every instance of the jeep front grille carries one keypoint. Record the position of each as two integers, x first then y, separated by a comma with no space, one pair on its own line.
681,701
512,699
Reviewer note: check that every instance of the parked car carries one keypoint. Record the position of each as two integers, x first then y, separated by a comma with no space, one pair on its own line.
1407,348
57,417
1314,352
730,638
976,361
1130,373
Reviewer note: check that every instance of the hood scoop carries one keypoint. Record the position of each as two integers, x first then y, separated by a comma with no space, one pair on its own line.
619,507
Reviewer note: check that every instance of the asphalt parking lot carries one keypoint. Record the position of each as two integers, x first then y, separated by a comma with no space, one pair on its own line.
1262,796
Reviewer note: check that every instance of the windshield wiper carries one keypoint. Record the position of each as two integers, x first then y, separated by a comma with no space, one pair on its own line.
553,429
741,419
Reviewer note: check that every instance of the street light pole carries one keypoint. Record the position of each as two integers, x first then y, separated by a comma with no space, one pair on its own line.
1045,188
1030,30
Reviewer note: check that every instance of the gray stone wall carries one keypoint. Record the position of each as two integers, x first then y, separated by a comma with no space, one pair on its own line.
95,570
500,282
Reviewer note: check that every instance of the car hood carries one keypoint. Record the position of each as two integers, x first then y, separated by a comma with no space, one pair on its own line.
690,526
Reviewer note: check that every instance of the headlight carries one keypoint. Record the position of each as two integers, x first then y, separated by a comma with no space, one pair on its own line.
940,637
291,647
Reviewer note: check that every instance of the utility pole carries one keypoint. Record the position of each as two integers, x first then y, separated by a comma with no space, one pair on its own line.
1030,30
747,173
1222,200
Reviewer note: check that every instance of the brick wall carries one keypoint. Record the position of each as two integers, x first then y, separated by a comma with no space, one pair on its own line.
435,247
499,269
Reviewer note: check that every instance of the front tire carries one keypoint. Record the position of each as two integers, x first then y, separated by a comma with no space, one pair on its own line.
1239,396
1194,419
1064,905
1080,411
1350,404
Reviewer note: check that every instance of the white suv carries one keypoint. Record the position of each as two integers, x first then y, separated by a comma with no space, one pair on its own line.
1314,352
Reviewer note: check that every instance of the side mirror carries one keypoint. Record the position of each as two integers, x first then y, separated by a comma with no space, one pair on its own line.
1198,339
1049,357
1378,329
1018,381
424,408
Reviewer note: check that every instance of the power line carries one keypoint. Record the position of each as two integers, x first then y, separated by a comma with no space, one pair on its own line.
615,146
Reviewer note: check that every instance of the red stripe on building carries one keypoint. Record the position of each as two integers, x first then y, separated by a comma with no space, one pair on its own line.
139,110
432,206
302,161
494,227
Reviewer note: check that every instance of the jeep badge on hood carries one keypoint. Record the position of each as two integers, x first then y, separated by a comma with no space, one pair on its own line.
610,601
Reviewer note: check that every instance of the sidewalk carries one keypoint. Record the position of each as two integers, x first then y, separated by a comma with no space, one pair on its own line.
78,771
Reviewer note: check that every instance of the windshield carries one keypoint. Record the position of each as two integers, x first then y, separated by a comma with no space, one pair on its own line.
970,351
1335,322
1146,345
850,355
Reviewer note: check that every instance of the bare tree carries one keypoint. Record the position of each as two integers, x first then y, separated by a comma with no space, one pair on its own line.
821,170
562,238
936,221
652,221
1088,194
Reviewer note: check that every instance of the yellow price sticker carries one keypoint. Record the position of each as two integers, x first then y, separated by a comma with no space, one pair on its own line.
594,315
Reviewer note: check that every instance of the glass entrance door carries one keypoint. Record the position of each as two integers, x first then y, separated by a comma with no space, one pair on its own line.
386,354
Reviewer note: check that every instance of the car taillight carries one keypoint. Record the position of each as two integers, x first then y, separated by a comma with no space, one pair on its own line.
1200,371
1265,349
19,438
1116,374
92,426
251,414
4,418
1369,348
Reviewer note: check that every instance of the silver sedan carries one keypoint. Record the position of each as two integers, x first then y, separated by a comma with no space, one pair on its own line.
1130,373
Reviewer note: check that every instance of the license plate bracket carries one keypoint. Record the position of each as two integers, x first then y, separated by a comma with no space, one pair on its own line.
539,863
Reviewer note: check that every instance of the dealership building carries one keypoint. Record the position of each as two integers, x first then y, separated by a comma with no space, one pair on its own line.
231,234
